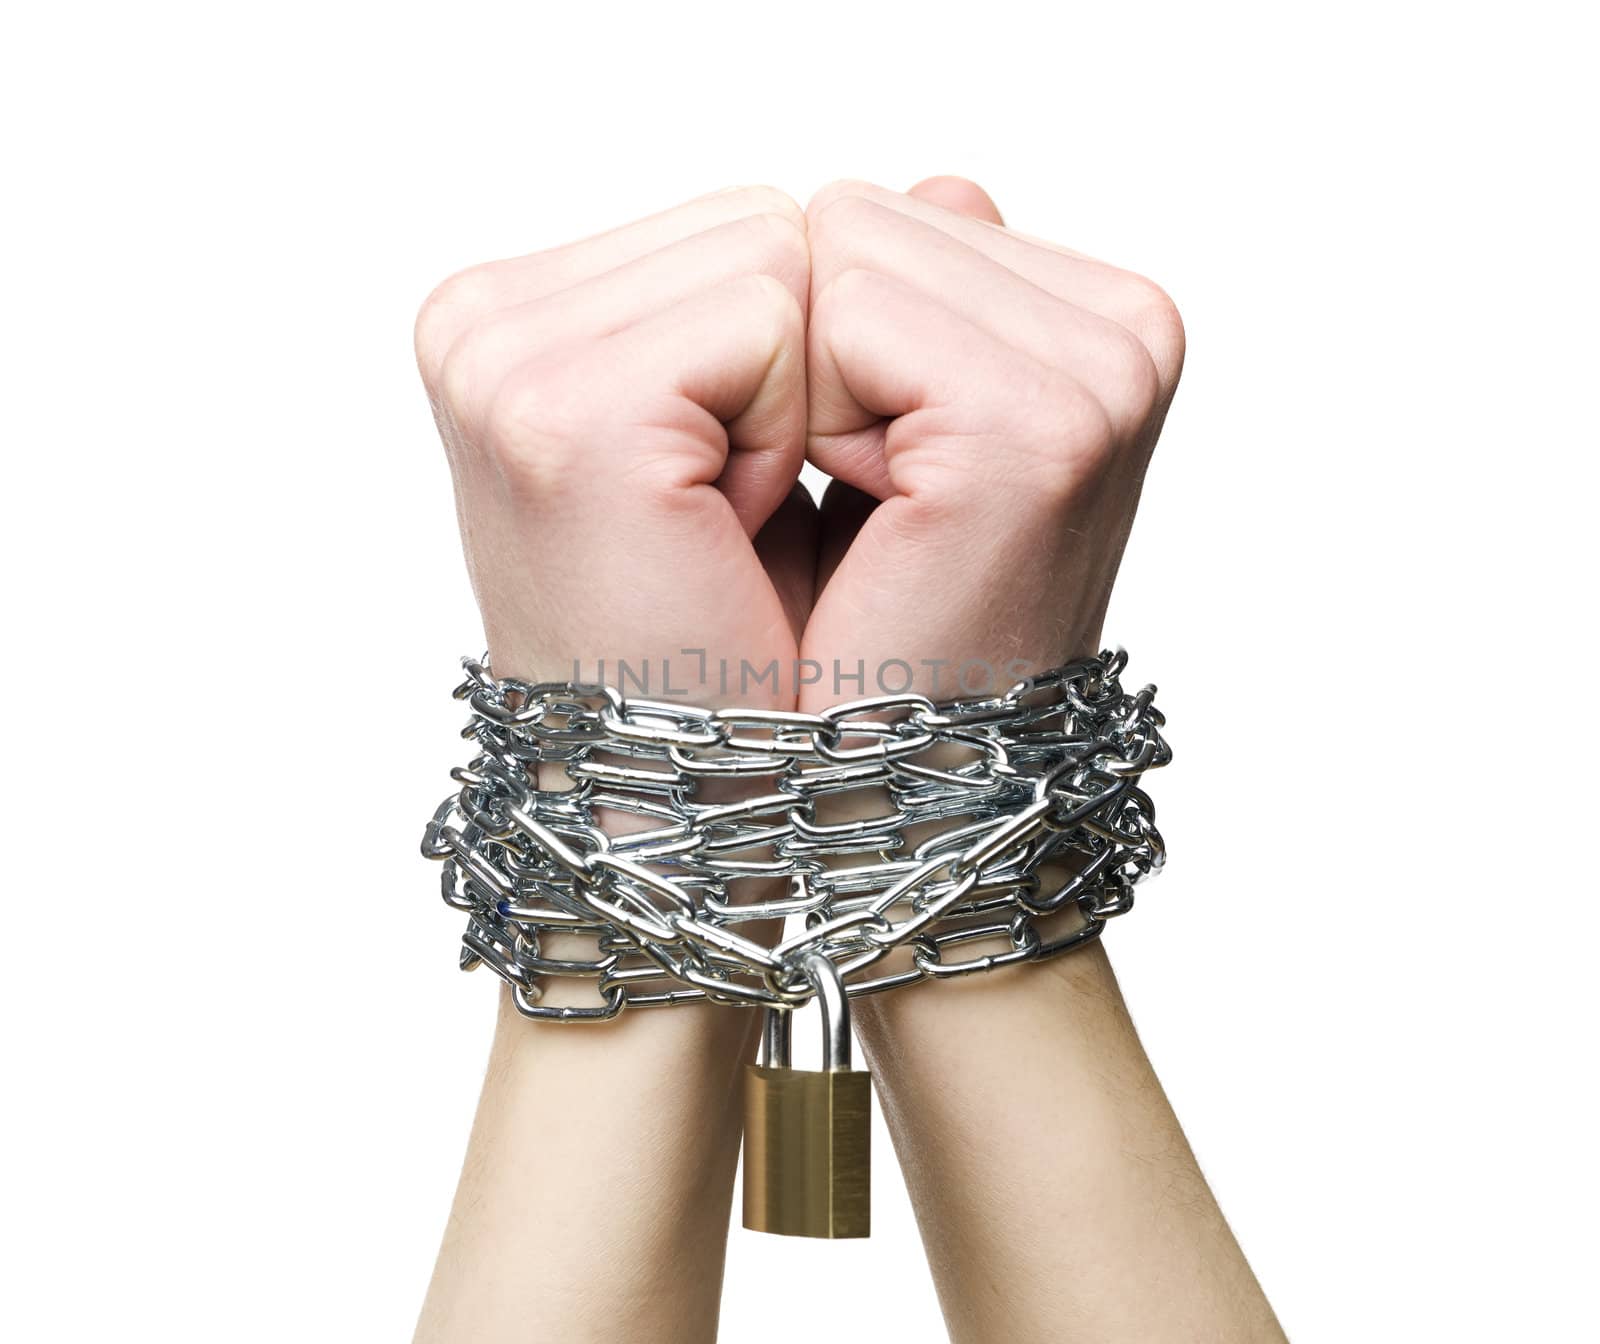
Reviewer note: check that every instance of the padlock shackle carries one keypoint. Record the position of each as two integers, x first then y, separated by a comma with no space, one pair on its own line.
824,977
775,1038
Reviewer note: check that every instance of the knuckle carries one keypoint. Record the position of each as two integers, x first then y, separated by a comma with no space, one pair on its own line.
1136,382
1159,325
532,429
779,245
848,188
446,311
467,365
763,200
834,225
1082,438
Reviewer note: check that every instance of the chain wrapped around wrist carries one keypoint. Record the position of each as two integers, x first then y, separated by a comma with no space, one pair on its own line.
1035,793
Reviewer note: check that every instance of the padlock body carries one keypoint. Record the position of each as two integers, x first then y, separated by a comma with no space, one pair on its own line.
807,1152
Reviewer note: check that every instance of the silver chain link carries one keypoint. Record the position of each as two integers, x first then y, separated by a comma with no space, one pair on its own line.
1044,778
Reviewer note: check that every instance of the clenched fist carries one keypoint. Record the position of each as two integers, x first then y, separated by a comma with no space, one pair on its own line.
623,417
986,404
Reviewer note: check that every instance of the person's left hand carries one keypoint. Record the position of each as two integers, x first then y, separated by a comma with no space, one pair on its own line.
987,404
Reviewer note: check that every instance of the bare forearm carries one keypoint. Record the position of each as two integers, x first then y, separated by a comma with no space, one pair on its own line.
594,1199
1055,1191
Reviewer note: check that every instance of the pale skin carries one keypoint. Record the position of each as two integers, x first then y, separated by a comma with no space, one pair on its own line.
986,404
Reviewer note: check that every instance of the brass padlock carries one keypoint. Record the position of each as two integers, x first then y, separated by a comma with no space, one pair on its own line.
808,1135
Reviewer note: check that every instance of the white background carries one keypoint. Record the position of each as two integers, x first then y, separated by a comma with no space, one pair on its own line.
240,1063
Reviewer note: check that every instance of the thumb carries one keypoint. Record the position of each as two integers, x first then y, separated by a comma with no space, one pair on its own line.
960,195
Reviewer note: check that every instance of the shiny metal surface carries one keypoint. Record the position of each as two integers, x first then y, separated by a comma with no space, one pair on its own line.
1035,794
808,1133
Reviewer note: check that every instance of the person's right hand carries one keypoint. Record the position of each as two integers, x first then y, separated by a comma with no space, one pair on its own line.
623,416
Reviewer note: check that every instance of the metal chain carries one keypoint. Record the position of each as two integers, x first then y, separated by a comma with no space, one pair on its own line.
1041,780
